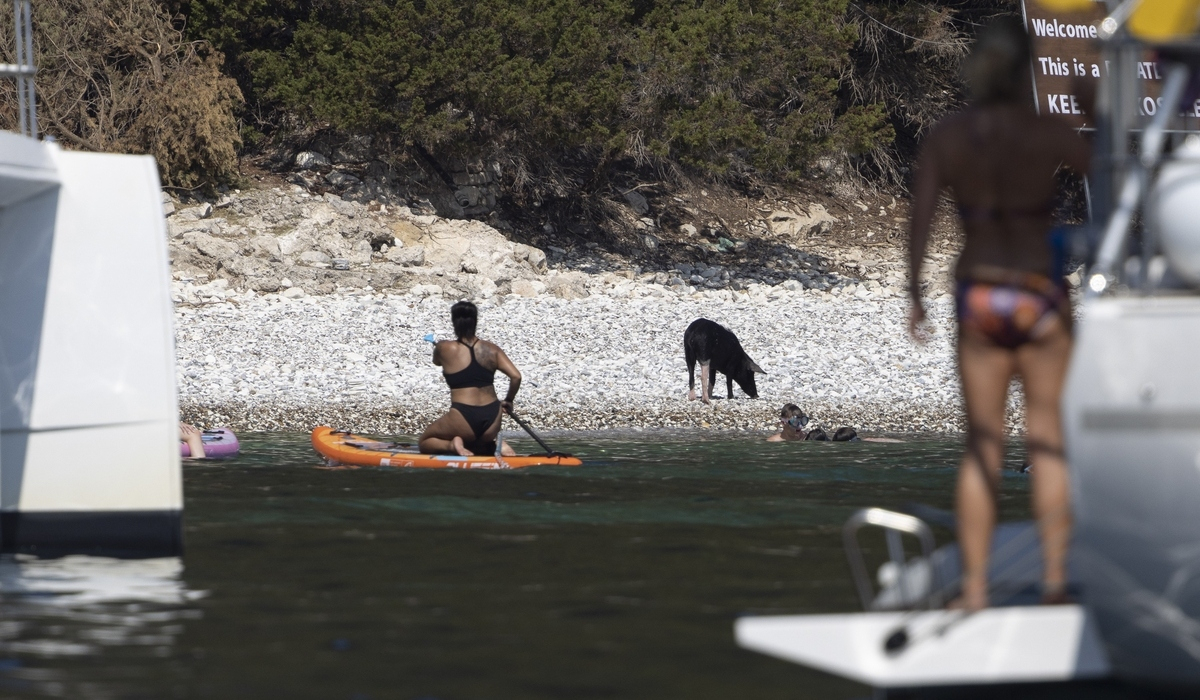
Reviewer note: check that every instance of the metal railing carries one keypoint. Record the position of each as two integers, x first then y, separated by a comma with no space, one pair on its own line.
894,525
1138,181
23,70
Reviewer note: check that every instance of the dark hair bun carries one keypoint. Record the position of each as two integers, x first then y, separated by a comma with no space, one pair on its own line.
464,315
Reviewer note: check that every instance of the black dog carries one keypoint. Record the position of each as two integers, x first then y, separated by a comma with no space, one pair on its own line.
718,350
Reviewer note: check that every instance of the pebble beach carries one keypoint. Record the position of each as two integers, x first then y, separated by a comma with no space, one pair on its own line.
274,331
359,361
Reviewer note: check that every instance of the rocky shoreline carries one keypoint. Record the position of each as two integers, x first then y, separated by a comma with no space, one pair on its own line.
296,310
359,361
288,240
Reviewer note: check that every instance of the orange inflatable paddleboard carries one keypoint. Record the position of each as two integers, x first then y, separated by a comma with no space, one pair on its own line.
341,447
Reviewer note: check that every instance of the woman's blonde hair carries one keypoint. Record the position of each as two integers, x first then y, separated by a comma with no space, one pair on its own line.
997,70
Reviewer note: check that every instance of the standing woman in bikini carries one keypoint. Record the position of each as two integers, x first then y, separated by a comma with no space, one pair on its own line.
469,366
999,158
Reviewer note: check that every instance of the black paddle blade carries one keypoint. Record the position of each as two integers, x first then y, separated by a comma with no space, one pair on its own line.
896,641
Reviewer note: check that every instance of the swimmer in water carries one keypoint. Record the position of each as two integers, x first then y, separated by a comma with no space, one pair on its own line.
848,434
793,419
999,159
194,439
469,366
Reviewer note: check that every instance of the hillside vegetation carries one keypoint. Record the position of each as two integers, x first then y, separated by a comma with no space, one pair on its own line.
119,76
562,96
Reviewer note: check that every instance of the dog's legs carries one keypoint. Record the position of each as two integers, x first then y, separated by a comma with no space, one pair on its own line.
728,387
691,363
705,383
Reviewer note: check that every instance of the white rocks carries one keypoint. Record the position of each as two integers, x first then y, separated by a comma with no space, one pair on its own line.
310,160
615,356
211,247
337,178
272,232
426,290
535,257
314,257
294,242
360,253
194,213
798,224
568,285
410,255
608,343
527,288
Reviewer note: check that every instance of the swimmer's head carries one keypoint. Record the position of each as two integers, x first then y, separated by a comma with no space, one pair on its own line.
845,434
793,416
464,315
998,68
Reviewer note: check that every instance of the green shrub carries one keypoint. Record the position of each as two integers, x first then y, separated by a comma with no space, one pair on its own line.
118,76
715,79
711,84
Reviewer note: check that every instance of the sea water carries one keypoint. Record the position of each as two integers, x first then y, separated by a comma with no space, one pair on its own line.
618,579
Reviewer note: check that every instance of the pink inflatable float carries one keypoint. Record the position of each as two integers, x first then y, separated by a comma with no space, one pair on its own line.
218,443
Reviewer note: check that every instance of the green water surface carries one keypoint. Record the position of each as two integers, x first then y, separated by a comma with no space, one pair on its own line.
618,579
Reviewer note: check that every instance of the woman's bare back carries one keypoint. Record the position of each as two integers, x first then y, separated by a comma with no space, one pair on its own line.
456,355
999,162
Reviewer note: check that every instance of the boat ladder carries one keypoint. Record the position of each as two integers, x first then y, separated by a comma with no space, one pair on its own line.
894,526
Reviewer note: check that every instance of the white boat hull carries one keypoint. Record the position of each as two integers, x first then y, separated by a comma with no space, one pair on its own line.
1132,421
89,443
997,645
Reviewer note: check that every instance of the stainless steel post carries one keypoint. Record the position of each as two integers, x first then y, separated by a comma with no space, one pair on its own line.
30,90
18,30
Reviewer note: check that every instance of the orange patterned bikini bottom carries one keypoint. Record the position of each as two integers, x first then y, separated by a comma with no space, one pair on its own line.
1010,313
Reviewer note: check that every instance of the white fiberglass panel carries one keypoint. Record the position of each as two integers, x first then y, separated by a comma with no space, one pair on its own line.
26,168
1132,420
26,238
1136,355
107,350
1132,416
87,382
107,468
996,645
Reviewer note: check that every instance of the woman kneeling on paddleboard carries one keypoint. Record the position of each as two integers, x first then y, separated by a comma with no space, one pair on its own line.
469,365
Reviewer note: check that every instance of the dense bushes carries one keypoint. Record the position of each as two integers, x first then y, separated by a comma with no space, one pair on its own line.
546,87
749,84
906,59
117,75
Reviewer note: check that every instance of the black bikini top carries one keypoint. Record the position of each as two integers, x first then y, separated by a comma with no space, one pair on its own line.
999,214
473,375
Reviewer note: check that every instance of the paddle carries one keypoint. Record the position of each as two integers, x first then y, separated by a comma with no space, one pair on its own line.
540,441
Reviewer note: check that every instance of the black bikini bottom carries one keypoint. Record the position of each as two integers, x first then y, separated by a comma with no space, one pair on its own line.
480,418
